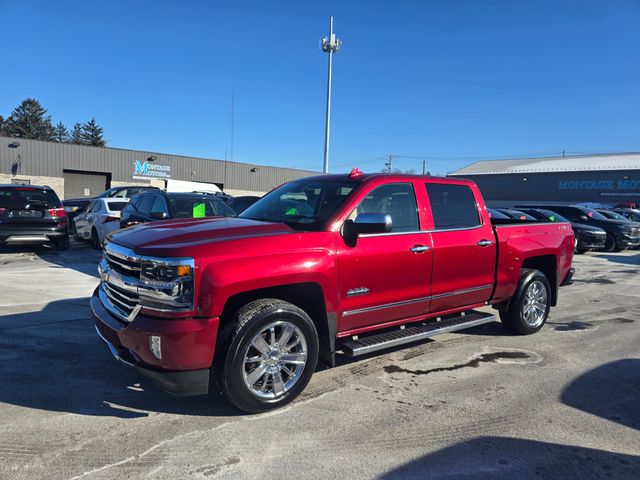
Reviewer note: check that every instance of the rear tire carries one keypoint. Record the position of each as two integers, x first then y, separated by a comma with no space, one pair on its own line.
74,232
529,308
268,355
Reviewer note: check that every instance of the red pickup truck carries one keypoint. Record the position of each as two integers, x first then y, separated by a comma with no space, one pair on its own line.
346,264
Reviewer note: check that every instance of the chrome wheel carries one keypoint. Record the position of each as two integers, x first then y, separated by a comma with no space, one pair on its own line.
274,360
534,307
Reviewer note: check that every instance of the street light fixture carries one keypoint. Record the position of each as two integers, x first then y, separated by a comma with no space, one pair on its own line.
330,45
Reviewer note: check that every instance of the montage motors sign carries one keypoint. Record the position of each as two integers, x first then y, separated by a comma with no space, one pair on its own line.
143,170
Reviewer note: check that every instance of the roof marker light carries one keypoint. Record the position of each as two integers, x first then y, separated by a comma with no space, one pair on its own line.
355,172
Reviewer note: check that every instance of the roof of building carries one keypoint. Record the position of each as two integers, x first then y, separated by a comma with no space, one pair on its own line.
574,163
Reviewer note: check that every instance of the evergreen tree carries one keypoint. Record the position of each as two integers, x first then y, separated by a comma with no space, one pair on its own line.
77,136
29,120
92,134
61,133
2,125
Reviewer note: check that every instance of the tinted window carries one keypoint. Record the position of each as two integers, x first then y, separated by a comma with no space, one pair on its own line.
159,205
19,197
145,203
117,206
453,206
396,200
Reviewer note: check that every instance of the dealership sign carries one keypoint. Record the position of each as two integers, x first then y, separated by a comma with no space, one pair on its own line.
150,170
599,185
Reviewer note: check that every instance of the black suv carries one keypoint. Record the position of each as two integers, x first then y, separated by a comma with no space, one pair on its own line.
31,214
159,205
620,234
586,237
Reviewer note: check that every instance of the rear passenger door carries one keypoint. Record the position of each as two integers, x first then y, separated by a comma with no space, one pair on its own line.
464,248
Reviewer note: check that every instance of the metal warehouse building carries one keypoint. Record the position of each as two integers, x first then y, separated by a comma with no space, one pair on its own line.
606,178
82,171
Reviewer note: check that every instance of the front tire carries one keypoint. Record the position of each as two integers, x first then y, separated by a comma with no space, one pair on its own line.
269,353
529,308
95,240
610,244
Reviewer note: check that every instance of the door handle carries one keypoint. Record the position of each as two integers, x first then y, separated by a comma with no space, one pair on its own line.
485,243
419,248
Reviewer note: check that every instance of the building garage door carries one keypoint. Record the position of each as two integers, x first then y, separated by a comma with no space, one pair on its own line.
83,184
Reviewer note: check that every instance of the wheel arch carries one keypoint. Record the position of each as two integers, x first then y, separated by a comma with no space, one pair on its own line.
307,296
547,264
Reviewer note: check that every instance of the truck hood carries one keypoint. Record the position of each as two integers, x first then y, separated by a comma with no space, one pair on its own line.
154,237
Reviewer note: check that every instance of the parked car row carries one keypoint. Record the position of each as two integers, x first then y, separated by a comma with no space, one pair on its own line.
31,214
610,230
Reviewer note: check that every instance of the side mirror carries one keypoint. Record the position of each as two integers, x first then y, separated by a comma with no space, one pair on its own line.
584,218
367,223
158,215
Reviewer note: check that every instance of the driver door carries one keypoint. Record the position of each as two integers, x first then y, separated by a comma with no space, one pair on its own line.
387,276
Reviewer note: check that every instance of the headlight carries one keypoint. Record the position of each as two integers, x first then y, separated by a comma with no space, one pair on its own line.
167,284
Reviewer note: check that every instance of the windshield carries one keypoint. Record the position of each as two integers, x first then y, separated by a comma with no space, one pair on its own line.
593,214
553,216
199,207
303,204
614,215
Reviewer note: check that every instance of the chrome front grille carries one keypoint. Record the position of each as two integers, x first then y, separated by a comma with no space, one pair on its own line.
122,260
125,299
120,280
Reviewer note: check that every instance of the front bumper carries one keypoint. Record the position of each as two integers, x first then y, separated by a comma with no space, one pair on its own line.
187,348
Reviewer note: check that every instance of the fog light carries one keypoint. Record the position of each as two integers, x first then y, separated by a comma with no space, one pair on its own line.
155,346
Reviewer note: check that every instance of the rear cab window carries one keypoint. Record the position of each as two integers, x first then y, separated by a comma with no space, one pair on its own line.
453,206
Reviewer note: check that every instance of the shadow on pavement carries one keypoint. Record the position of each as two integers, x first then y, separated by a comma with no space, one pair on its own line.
514,458
611,391
624,259
80,256
53,360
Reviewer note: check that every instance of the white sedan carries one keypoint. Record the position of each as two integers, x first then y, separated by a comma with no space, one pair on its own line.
101,217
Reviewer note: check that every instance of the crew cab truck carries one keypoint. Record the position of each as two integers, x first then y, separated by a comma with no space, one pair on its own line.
346,264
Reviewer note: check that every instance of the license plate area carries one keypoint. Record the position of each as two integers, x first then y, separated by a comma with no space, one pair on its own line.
28,213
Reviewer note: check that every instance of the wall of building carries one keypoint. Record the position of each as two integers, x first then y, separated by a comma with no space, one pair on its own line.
33,158
612,186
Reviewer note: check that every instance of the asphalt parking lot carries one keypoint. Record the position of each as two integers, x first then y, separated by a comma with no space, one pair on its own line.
563,403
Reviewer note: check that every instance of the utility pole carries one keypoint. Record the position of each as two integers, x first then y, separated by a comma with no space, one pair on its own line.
424,167
389,164
329,45
232,121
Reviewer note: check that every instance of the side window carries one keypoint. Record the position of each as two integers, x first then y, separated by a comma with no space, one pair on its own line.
145,203
159,205
395,199
453,206
123,193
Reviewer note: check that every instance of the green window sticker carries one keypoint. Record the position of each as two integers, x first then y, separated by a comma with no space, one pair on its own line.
291,211
552,218
198,210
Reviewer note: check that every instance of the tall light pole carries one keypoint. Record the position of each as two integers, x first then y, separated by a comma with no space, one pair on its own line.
329,45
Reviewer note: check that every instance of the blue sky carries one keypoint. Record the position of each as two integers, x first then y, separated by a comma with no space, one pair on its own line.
449,81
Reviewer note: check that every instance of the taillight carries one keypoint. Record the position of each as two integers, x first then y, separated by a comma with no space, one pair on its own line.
109,218
56,212
2,210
